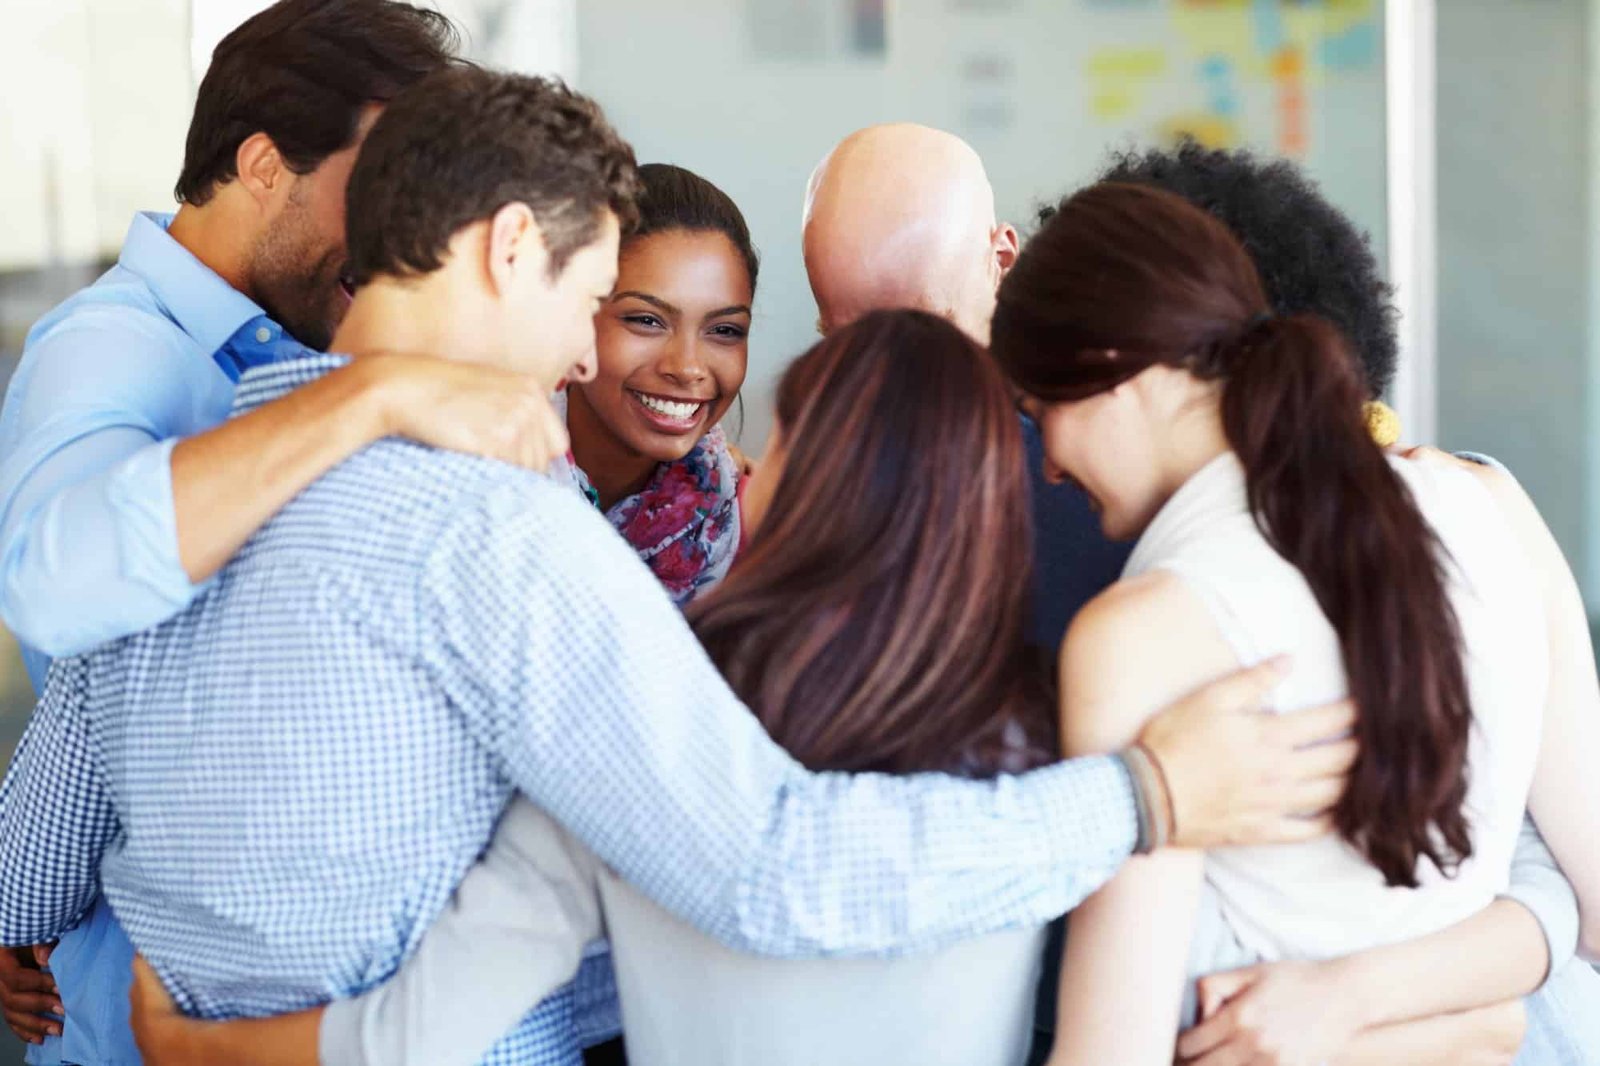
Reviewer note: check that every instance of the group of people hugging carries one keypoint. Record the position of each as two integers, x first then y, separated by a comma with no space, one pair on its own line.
429,674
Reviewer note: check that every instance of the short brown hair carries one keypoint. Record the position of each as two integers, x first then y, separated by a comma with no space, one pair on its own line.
301,72
465,142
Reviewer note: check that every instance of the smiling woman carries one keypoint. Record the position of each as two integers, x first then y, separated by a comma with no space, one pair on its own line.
671,345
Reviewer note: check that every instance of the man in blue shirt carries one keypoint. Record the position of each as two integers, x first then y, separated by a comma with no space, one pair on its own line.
279,788
120,493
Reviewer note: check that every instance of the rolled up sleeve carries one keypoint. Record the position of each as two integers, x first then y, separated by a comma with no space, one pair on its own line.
88,531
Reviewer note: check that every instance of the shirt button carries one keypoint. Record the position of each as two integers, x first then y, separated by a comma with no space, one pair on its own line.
263,335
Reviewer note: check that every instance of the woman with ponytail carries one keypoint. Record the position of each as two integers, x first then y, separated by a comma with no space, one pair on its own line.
1231,444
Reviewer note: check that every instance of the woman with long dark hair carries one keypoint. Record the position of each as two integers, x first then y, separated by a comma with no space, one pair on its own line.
888,577
1230,443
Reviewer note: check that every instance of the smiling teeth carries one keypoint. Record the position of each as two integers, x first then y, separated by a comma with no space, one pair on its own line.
670,408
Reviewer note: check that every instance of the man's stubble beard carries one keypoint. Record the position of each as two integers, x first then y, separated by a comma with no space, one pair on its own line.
296,280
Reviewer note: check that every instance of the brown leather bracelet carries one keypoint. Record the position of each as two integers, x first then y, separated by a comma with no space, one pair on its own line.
1165,816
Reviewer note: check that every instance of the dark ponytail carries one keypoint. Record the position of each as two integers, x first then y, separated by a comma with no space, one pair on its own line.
1327,499
1139,273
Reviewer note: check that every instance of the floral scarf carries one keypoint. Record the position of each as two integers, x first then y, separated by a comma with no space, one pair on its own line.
685,523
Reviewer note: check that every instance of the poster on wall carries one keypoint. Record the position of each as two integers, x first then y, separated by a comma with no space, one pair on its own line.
818,30
1226,72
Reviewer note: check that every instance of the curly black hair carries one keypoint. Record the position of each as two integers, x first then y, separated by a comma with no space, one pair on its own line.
1311,256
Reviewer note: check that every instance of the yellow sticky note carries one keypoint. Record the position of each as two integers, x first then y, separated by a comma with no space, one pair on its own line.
1132,64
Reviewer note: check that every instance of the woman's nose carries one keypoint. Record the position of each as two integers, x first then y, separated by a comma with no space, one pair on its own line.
683,363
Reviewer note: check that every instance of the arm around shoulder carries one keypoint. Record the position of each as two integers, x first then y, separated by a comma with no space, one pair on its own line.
1123,974
1566,792
87,546
765,856
513,933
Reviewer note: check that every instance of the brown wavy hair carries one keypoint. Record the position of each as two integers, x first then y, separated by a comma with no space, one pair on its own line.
1124,277
875,620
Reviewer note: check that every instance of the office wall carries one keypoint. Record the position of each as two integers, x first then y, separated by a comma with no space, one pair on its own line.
752,93
1515,172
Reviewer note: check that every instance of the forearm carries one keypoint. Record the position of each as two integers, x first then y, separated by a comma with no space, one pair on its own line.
227,482
957,859
765,856
518,925
286,1040
1565,790
90,552
1123,971
1488,1034
1417,979
112,532
1538,883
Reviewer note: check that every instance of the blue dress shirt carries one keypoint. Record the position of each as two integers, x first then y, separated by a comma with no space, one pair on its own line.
280,788
88,544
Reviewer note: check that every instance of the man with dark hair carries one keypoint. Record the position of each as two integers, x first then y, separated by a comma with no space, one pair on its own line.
279,788
120,495
301,82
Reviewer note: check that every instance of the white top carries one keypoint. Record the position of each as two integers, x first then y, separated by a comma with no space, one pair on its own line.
517,929
1323,898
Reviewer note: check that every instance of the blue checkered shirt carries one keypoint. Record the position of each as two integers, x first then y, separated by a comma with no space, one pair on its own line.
280,788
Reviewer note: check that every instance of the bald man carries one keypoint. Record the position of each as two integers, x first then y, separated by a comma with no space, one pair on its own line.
903,216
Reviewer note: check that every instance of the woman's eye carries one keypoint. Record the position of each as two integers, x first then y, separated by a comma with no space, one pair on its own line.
648,321
728,331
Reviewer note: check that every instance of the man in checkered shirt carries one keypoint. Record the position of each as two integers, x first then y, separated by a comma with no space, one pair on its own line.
279,789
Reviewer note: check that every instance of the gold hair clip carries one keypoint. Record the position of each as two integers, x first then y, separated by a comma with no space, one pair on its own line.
1382,423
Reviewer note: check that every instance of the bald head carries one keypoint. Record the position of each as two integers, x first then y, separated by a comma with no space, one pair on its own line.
903,216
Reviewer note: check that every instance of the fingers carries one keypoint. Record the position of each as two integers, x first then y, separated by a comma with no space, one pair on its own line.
1313,798
1322,761
1245,689
1227,1055
31,1022
1208,1035
1305,728
1426,454
29,997
1217,989
1293,829
42,953
540,434
29,981
35,1003
1220,996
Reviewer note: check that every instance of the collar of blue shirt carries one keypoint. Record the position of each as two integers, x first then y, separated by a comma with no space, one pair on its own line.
204,306
263,384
